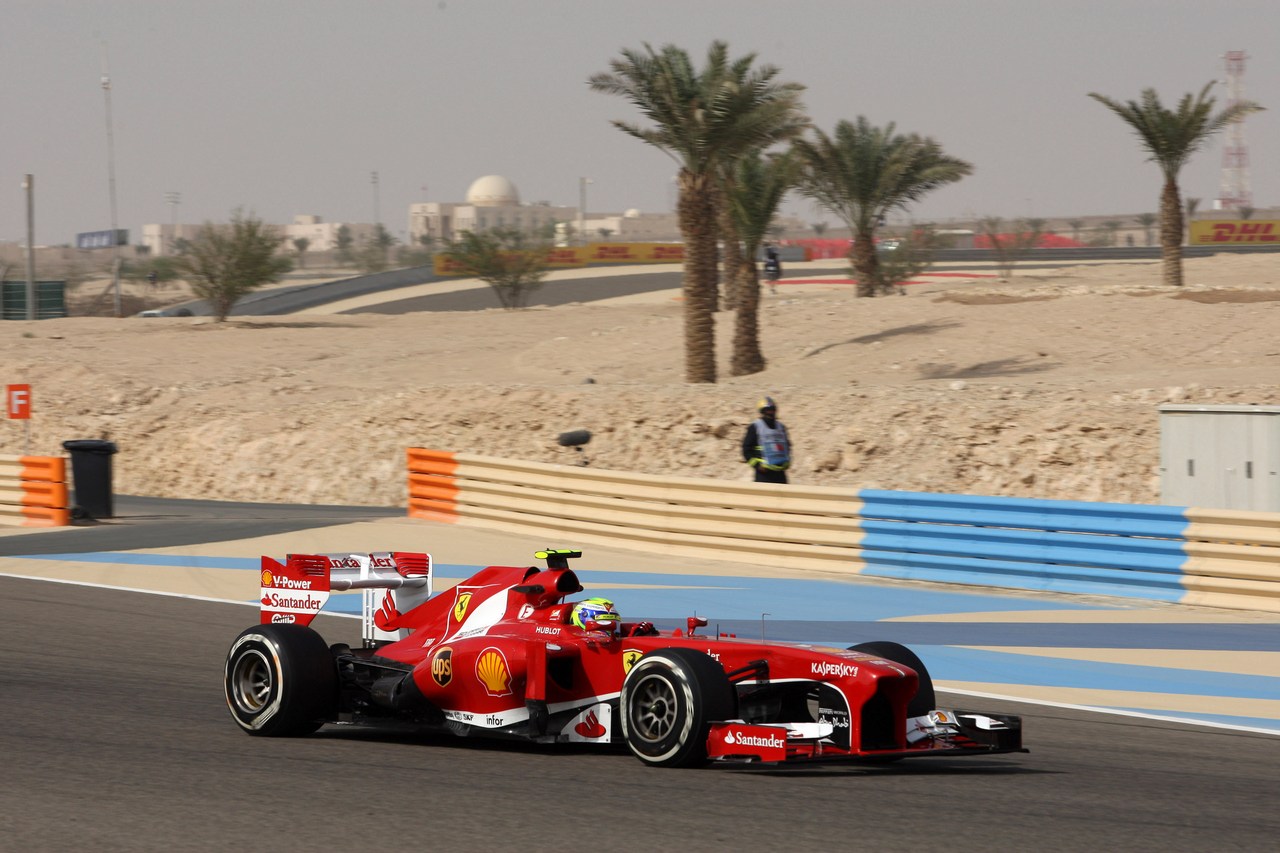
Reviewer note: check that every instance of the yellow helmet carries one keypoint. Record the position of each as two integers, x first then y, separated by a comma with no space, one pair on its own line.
598,610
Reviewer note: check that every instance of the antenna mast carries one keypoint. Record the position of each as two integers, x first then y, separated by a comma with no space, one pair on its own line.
111,182
1234,192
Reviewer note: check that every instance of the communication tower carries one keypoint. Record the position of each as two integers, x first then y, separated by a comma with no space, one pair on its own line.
1234,192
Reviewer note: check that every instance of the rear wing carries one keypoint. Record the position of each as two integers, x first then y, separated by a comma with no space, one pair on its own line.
296,590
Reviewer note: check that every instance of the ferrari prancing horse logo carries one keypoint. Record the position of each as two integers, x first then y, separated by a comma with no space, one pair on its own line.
629,658
461,605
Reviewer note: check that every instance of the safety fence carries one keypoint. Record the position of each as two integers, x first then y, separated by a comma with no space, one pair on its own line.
1220,558
33,491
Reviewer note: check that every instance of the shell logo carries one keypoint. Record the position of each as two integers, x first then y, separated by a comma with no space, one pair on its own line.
492,671
267,579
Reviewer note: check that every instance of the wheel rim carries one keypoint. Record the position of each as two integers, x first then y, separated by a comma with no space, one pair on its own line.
251,682
653,711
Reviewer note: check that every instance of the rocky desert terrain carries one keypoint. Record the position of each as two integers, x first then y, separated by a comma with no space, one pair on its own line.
1044,385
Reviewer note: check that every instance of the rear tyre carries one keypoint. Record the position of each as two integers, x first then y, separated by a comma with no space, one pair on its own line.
924,701
281,681
668,702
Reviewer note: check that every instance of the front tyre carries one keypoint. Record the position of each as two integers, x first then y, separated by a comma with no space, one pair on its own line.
668,701
924,701
281,681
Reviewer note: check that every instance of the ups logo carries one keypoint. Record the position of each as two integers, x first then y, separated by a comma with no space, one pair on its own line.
442,667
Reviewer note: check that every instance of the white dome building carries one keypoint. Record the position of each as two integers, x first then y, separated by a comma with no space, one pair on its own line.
492,202
492,191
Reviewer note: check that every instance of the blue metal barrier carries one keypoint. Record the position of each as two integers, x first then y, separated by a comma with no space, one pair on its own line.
1066,546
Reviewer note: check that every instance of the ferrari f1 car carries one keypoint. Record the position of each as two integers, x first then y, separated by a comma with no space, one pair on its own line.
499,655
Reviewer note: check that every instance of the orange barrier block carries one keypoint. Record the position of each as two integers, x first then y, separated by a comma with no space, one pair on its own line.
433,486
34,491
47,469
49,495
442,462
35,516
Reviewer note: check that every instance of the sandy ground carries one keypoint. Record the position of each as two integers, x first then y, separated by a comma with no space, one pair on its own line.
1046,385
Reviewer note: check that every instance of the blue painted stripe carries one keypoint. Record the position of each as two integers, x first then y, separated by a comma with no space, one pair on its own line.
1173,638
677,596
956,664
190,561
1221,719
179,561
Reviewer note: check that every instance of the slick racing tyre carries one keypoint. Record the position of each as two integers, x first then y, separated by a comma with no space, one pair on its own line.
281,681
924,700
668,701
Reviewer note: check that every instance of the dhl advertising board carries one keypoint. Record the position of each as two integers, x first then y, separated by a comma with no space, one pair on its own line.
567,257
1218,232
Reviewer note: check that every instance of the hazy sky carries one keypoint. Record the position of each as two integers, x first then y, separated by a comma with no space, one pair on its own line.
287,106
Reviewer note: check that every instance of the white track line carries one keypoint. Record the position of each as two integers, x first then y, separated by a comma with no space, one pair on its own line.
939,686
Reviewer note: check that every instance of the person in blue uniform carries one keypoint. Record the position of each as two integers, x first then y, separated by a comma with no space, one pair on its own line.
766,447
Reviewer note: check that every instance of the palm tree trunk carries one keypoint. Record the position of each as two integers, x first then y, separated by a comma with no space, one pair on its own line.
731,260
747,357
1171,233
697,211
865,263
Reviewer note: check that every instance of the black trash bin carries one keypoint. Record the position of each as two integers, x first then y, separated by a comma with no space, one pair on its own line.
91,476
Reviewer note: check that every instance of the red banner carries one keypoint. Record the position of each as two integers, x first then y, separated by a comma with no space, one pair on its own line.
18,401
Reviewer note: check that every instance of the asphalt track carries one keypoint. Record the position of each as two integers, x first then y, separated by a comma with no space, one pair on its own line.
117,735
608,285
117,738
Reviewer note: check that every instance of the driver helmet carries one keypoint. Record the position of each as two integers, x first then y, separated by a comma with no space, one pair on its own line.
599,610
765,404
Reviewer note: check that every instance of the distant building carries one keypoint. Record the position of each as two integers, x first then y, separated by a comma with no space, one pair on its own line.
492,202
630,227
323,236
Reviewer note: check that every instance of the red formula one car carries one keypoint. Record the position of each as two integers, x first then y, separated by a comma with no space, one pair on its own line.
503,654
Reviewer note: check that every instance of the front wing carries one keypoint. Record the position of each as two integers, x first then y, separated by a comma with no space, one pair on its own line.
939,733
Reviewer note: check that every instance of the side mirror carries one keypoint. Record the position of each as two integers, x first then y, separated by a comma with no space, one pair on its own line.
695,622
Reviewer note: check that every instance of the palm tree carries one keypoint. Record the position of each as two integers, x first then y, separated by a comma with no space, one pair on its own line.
1171,136
752,193
1111,228
863,173
300,245
1190,205
1075,225
1246,211
702,119
1147,221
